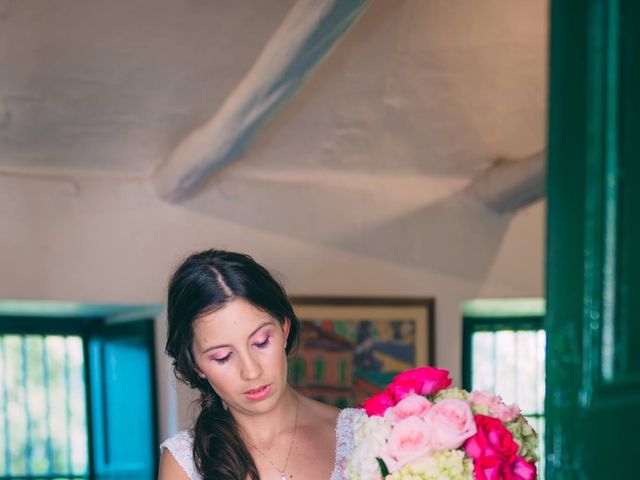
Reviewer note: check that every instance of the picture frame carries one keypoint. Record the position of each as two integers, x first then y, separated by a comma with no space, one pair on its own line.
351,347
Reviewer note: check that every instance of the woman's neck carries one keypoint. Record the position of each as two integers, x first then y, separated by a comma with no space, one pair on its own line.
263,430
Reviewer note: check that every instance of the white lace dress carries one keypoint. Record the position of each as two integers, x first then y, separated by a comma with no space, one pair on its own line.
181,445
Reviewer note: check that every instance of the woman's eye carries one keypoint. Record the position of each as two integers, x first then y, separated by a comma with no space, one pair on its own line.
222,360
264,344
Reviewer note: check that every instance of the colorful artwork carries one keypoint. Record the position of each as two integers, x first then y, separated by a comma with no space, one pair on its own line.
350,348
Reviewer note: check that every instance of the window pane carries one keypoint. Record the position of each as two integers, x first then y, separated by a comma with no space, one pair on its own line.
16,425
483,353
511,364
506,358
530,394
36,404
541,346
77,408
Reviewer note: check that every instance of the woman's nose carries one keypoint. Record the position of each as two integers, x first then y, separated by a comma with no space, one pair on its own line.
250,367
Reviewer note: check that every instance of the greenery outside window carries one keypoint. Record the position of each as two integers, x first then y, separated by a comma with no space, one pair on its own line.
43,417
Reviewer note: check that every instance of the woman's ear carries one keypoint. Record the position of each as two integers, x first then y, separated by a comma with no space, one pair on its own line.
195,365
286,328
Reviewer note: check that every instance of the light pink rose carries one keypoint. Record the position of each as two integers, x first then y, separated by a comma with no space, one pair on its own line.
410,406
496,407
409,440
483,398
452,423
503,412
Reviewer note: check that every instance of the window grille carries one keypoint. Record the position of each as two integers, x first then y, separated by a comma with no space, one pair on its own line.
43,414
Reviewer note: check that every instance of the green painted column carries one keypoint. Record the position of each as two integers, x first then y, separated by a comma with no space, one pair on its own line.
593,269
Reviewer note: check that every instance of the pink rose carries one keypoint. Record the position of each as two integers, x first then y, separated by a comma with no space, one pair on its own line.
452,423
422,380
411,406
496,407
409,440
378,404
519,469
494,453
523,470
503,412
492,441
483,398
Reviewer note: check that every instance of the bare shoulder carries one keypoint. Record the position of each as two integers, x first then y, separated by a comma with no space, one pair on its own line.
169,468
318,414
315,449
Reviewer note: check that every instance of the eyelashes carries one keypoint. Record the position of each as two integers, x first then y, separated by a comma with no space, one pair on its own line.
222,360
265,344
260,345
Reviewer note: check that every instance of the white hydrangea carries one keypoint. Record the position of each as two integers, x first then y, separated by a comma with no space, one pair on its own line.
376,428
370,439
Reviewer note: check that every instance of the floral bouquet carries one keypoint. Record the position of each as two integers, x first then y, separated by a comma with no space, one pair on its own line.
420,428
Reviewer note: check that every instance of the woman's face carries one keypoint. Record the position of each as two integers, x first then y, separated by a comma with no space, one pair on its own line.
240,350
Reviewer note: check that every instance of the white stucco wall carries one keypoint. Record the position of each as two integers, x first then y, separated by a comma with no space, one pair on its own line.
114,241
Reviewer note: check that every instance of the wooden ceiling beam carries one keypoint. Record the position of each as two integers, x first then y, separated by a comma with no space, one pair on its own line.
301,42
510,185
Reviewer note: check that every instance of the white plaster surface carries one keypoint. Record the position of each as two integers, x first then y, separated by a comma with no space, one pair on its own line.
107,241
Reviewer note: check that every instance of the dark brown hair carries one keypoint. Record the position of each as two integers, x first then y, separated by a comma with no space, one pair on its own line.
203,283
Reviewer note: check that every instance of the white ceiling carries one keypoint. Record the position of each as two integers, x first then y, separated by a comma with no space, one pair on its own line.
428,90
113,85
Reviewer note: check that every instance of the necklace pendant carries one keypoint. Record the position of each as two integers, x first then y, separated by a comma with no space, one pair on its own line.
283,476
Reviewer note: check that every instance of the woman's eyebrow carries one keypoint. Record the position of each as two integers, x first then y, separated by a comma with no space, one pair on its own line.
262,325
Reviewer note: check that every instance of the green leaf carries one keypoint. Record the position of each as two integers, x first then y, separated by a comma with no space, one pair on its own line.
383,467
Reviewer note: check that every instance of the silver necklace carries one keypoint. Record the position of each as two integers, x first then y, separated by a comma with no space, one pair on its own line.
283,475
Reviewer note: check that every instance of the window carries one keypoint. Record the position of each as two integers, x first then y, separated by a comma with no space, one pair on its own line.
43,414
504,352
76,393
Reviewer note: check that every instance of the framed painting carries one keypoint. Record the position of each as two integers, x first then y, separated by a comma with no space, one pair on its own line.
351,348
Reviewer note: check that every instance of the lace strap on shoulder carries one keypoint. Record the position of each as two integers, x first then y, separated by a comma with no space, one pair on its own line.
344,439
181,448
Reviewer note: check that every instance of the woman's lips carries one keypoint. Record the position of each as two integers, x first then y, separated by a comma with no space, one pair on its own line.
258,393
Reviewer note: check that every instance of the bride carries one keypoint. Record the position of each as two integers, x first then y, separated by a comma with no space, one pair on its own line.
230,329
